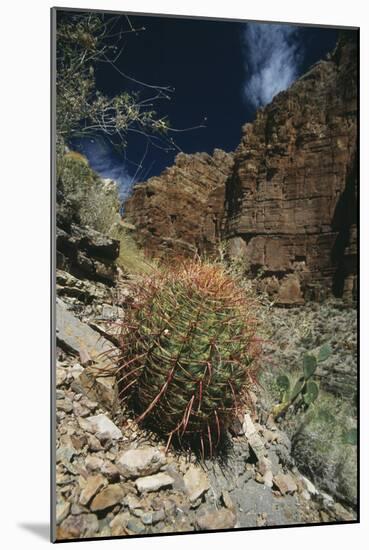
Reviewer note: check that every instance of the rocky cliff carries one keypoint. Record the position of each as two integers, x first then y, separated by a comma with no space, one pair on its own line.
285,202
179,213
291,200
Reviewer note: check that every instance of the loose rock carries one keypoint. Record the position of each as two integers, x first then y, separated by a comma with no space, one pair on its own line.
93,463
62,510
153,483
93,485
196,482
102,424
140,462
108,497
217,519
285,483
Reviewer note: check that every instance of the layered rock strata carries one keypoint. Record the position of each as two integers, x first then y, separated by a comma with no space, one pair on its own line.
285,202
290,209
179,213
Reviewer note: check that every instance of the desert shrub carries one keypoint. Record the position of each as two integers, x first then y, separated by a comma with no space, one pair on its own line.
189,353
323,448
91,201
85,42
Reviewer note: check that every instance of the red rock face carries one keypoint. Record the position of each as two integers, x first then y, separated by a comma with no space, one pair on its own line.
291,201
179,213
285,202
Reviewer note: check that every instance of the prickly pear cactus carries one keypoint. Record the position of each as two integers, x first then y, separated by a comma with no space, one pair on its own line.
189,353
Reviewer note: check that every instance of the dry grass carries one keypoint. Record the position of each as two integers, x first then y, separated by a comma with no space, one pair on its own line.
131,259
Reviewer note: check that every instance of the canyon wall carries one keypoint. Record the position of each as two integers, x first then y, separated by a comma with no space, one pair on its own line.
284,202
179,213
290,210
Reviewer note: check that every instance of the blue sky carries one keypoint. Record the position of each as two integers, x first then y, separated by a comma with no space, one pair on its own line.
220,73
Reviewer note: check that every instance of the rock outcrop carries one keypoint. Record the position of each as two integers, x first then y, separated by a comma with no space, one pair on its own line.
291,201
86,253
179,212
285,202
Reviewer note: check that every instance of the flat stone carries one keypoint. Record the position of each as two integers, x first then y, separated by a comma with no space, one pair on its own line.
146,518
76,509
110,471
103,389
97,380
101,424
79,441
75,371
78,336
93,463
93,443
65,453
216,519
62,510
74,527
270,436
132,502
264,465
285,483
196,482
255,498
268,478
310,487
93,485
158,515
343,514
108,497
228,502
135,526
118,524
153,483
253,438
61,376
140,462
261,520
92,405
80,410
65,405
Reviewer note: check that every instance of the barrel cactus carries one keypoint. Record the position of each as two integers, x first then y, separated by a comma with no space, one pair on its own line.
189,353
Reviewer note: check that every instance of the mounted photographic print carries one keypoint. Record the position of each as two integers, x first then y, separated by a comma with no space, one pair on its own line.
204,317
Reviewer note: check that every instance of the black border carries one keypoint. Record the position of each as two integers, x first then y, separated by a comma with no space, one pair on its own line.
53,16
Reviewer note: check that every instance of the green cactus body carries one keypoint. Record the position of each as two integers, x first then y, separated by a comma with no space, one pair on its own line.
189,353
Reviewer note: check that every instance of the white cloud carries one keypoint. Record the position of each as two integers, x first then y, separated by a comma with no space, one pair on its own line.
272,56
108,164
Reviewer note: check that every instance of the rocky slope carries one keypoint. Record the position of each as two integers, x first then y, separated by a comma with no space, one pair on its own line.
180,212
113,477
285,202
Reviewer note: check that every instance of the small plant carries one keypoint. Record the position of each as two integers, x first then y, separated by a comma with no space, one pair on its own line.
189,353
305,390
350,437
